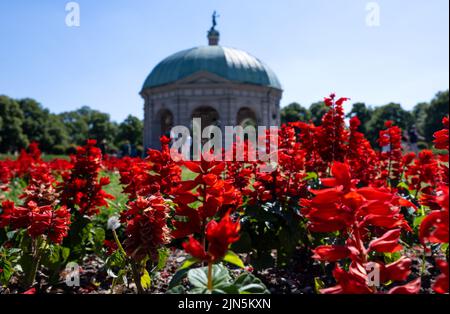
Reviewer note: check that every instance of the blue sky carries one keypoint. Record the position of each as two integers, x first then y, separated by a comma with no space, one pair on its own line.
315,47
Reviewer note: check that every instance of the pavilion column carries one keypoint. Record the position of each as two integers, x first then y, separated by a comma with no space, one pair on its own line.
148,119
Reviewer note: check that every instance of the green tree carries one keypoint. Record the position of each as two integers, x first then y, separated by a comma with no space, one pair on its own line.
11,134
77,127
419,113
317,110
363,113
57,134
1,126
391,111
295,112
102,130
39,125
131,130
437,109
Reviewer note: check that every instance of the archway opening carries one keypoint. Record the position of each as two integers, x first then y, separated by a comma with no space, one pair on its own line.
208,115
246,117
164,123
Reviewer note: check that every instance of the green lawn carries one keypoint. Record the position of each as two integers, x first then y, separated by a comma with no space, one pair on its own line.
45,157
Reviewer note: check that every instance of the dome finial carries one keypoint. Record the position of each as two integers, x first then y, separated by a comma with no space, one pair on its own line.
213,34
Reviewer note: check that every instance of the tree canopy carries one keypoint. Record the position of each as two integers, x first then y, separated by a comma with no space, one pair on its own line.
426,117
25,120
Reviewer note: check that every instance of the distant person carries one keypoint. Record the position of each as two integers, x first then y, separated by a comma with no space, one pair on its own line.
126,149
413,139
405,141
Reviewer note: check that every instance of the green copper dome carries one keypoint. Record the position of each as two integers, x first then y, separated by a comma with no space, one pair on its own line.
232,64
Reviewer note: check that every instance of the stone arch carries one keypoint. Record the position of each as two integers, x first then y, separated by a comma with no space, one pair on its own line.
246,116
209,116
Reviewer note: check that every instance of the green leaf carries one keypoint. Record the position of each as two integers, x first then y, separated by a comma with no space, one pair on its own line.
188,263
146,280
391,257
176,290
248,283
7,271
198,278
177,277
116,259
121,277
403,184
98,238
444,247
234,259
10,234
163,255
417,221
318,284
310,175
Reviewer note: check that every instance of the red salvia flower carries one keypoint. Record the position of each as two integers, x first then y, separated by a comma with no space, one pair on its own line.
441,283
82,189
423,172
146,231
441,141
434,228
38,220
331,134
158,173
215,196
412,287
441,138
391,157
360,156
14,217
219,236
41,187
359,214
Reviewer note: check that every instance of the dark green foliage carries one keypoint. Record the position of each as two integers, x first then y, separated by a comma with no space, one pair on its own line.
39,125
364,113
317,110
394,112
25,120
87,123
419,113
130,135
295,112
437,109
11,133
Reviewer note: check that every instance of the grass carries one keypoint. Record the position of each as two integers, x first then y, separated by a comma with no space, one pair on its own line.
117,205
45,157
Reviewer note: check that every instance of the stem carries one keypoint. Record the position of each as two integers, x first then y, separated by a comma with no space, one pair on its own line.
137,277
134,266
119,245
36,258
423,266
210,277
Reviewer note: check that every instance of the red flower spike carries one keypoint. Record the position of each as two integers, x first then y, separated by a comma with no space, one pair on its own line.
331,253
82,189
146,231
387,243
442,281
195,249
412,287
